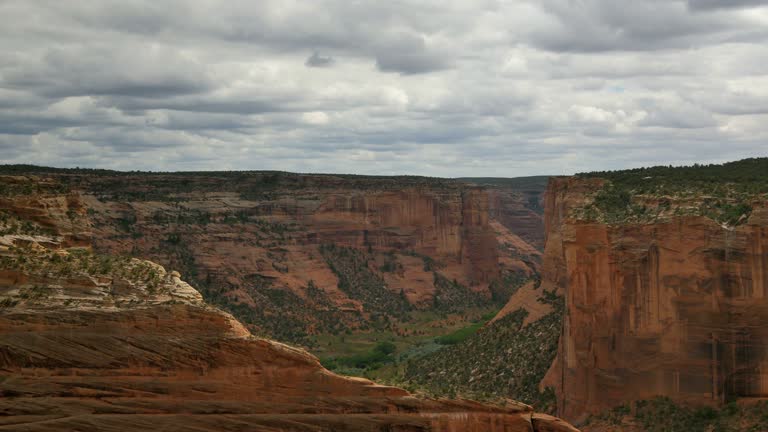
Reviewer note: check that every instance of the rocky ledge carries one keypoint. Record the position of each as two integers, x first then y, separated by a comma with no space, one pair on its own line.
89,342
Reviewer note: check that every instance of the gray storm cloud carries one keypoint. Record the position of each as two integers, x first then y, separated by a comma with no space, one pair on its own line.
443,88
725,4
317,60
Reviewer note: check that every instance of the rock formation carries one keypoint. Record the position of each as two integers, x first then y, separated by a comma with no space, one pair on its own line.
92,343
94,338
517,203
671,304
250,241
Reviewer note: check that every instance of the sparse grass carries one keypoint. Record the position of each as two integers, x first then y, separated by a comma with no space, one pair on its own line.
12,225
16,187
79,262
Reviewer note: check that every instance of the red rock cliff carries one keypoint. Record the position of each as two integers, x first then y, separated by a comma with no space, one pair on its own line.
251,240
450,225
91,343
676,308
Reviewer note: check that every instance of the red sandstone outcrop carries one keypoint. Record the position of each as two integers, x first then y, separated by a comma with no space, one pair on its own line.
675,308
236,236
92,343
527,297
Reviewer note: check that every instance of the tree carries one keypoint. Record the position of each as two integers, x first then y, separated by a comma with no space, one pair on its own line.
385,347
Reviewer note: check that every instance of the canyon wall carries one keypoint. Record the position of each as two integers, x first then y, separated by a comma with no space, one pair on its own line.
518,204
675,307
91,342
447,224
254,242
520,212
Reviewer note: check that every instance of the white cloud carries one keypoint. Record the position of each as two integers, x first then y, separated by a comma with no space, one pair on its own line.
315,118
448,88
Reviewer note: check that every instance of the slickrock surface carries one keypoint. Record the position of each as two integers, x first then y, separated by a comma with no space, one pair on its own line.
674,307
95,343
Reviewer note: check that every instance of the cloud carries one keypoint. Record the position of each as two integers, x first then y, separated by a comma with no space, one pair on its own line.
724,4
316,60
409,54
140,70
410,63
637,25
677,115
434,87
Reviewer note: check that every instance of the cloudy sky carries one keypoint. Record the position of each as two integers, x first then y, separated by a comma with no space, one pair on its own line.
432,87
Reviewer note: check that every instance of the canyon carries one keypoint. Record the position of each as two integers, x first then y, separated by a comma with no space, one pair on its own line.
91,341
276,248
599,295
107,351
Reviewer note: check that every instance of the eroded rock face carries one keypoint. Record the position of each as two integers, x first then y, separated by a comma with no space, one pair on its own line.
89,343
514,210
250,241
179,359
675,308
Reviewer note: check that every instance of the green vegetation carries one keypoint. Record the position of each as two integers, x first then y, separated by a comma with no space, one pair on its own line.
505,359
267,311
128,186
15,187
390,263
411,339
462,334
382,353
724,193
8,302
747,175
278,315
429,263
532,183
503,288
127,224
453,297
664,415
359,282
11,225
78,262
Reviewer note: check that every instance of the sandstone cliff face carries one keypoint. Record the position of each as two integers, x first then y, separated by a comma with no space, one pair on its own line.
251,241
38,205
518,204
520,213
95,343
675,308
449,225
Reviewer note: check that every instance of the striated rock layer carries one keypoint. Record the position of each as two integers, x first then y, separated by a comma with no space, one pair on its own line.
93,343
251,241
677,307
